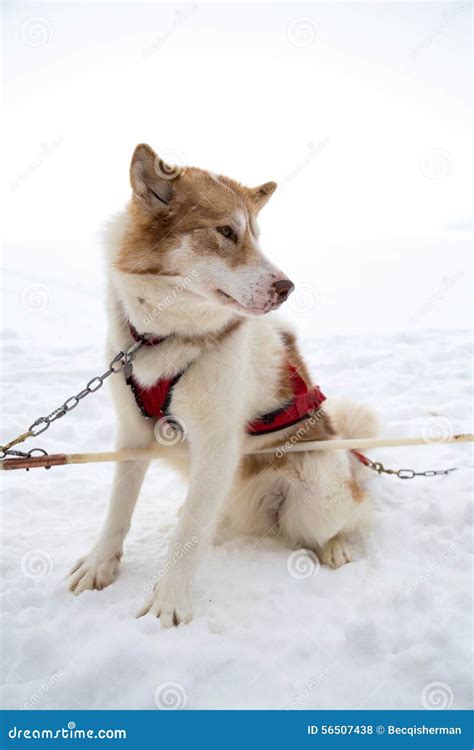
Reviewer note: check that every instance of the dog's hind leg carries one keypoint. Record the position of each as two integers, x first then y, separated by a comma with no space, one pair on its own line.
325,506
99,568
336,552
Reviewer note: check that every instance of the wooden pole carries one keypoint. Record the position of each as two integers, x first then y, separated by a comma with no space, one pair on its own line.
360,444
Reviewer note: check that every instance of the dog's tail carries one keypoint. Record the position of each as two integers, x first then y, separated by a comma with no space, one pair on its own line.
351,420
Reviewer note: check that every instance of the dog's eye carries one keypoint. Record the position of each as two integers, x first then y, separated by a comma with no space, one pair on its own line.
227,232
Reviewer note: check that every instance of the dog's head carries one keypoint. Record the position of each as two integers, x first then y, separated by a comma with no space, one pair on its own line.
186,222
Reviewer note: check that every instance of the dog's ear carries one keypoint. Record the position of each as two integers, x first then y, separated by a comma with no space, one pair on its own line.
261,194
151,178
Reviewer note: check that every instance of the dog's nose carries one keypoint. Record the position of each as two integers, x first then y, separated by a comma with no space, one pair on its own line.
283,289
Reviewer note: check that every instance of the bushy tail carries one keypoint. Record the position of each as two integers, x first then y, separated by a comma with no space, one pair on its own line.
351,420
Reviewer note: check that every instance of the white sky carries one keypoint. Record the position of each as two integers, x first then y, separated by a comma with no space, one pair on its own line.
366,128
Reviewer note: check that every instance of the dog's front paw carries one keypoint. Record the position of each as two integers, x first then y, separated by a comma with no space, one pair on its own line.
170,601
336,552
93,572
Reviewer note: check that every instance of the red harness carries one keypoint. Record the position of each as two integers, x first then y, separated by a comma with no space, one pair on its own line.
155,400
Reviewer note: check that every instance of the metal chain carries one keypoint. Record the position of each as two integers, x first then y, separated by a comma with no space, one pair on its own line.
404,473
121,361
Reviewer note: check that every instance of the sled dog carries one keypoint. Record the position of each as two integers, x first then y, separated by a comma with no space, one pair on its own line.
219,376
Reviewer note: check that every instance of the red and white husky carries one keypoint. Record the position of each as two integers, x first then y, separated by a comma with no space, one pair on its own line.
185,268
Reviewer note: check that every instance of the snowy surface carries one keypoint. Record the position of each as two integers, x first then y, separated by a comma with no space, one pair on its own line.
371,220
381,632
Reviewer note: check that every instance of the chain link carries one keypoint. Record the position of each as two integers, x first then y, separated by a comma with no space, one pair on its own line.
41,424
404,473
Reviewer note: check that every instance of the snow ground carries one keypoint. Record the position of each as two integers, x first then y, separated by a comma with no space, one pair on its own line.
378,633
